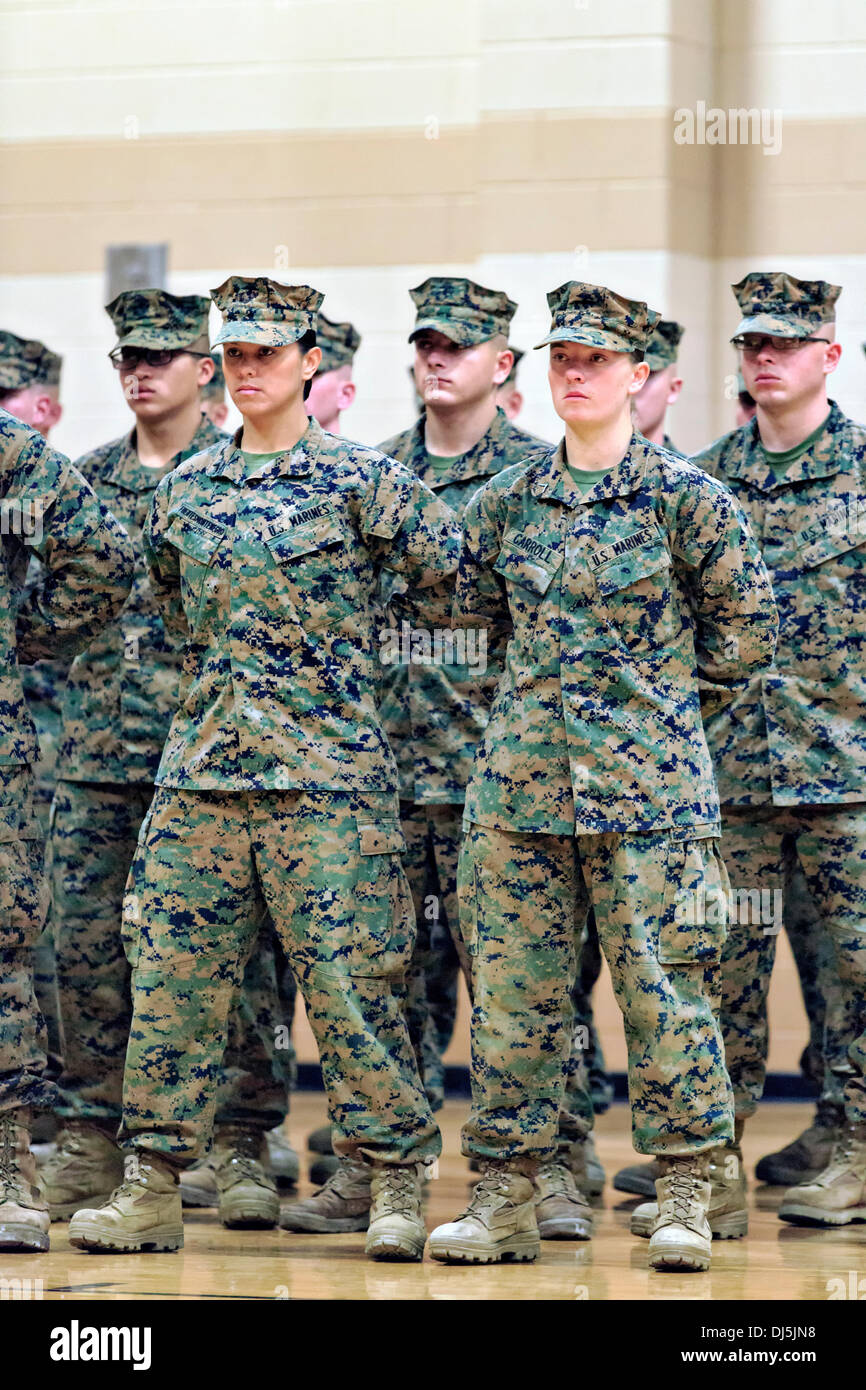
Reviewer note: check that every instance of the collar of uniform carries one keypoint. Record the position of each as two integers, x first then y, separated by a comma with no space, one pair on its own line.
229,462
478,462
825,457
553,478
125,470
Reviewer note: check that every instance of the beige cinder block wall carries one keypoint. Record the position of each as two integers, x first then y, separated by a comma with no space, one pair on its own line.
360,145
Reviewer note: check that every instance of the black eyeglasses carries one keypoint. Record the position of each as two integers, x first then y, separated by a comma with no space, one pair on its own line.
127,359
752,343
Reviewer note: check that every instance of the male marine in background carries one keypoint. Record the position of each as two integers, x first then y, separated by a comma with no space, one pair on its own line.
662,386
213,395
790,749
509,396
30,382
435,714
333,389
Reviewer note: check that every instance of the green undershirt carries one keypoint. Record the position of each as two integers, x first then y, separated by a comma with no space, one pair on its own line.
790,455
255,459
439,463
586,478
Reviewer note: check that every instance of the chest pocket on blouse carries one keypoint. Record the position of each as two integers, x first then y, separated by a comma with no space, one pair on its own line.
315,565
832,584
528,568
198,540
637,598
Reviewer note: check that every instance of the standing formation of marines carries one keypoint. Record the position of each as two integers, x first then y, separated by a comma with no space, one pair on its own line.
354,721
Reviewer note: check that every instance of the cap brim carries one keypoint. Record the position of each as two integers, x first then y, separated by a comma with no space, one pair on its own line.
779,325
590,337
154,338
265,334
463,334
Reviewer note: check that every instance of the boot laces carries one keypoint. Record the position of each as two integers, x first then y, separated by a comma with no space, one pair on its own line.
681,1179
844,1151
9,1174
243,1166
347,1172
491,1184
398,1186
556,1177
243,1150
131,1174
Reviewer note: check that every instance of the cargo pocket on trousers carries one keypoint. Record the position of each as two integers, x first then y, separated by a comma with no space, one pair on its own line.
24,892
693,927
130,930
384,918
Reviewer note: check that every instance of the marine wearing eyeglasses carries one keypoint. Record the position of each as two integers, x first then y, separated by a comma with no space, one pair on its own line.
790,750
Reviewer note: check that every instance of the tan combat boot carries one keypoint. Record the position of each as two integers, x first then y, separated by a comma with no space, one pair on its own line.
838,1195
143,1213
581,1158
561,1210
284,1165
198,1184
247,1194
807,1155
343,1204
23,1212
585,1156
85,1169
728,1213
396,1229
681,1237
498,1224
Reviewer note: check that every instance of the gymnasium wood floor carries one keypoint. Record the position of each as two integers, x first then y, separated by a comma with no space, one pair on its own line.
776,1261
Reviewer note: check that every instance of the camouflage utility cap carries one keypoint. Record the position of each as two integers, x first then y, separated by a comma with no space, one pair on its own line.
215,389
26,362
661,350
339,343
773,302
258,310
596,316
157,319
465,312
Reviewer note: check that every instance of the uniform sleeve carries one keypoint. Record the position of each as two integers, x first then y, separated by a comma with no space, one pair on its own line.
163,562
480,599
412,533
86,556
732,595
